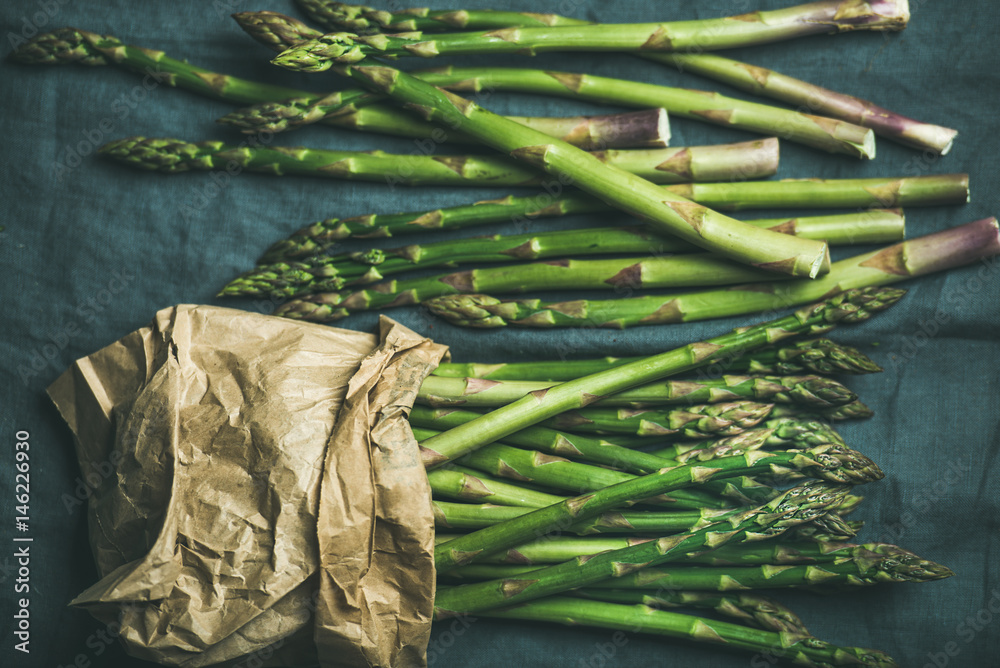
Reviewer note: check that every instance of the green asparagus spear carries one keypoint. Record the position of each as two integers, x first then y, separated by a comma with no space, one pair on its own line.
806,390
943,250
820,356
337,15
72,45
698,421
778,552
707,34
471,516
886,563
803,650
457,482
895,565
751,609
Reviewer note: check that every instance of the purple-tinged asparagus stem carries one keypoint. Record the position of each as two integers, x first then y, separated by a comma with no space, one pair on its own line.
646,128
815,99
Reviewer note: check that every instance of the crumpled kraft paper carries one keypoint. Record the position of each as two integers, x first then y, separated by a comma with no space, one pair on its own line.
255,491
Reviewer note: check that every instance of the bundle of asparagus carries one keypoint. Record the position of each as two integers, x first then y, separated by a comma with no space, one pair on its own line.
713,510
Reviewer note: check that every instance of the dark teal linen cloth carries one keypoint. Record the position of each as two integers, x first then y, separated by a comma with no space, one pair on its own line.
91,250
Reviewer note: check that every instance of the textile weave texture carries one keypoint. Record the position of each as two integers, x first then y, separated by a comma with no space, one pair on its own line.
91,250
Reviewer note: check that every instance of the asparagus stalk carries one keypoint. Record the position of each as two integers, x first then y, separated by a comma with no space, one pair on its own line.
693,222
698,421
546,470
818,100
709,34
847,193
835,463
647,128
796,506
919,191
457,482
750,78
174,155
619,274
470,516
751,609
327,273
805,390
775,553
554,549
71,45
851,306
940,251
824,133
339,16
803,650
887,563
891,565
821,356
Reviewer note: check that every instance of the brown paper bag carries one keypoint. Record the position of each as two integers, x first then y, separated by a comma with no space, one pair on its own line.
232,503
